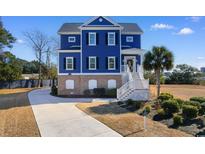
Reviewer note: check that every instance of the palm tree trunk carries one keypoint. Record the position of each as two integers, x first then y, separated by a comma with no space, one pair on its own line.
158,81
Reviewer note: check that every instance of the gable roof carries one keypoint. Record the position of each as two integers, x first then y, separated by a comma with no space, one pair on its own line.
73,28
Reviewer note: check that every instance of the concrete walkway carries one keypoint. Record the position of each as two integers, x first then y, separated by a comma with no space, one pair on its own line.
59,117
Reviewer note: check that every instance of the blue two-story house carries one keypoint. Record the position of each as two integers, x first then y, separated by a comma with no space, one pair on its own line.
101,54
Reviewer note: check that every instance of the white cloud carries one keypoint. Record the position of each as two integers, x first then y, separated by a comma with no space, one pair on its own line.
161,26
185,31
200,58
20,41
194,18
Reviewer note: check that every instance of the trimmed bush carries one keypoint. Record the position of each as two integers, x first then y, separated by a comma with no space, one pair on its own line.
138,104
147,109
202,110
180,102
193,103
198,99
178,120
189,112
111,92
99,92
129,102
87,92
165,96
170,107
161,113
54,90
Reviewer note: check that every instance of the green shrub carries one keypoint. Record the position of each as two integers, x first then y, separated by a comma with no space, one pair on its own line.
165,96
161,113
147,109
138,104
129,102
87,92
170,106
202,110
178,120
111,92
99,92
193,103
189,112
198,99
54,90
180,102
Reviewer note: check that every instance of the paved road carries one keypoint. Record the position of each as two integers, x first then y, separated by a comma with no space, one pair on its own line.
58,117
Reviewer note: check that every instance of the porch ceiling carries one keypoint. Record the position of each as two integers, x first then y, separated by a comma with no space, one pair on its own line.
133,51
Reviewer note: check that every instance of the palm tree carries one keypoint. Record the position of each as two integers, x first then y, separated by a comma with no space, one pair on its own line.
159,59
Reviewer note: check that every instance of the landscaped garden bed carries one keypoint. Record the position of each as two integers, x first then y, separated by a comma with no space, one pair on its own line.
187,116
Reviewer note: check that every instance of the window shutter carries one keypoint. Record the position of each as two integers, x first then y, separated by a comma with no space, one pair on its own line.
87,38
97,38
64,63
97,62
116,38
87,62
74,63
106,62
106,38
116,62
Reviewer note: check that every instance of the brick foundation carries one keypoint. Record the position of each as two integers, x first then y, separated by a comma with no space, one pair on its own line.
81,83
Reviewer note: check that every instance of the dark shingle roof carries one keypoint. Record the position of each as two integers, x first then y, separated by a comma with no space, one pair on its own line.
74,27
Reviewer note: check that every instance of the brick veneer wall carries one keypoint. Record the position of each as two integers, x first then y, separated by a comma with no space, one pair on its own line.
81,83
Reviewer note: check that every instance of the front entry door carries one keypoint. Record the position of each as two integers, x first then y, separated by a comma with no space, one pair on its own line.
130,64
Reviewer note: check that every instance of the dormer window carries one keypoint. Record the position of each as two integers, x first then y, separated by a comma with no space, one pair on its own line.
129,39
71,39
92,39
111,39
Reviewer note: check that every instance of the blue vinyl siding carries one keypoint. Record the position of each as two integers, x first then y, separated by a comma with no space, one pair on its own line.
62,65
65,45
138,59
97,22
101,50
135,44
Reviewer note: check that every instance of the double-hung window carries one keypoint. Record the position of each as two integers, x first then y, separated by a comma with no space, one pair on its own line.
71,39
111,38
111,63
92,63
69,63
129,39
92,39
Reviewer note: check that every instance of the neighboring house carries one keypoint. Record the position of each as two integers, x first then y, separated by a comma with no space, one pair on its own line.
101,54
203,69
30,76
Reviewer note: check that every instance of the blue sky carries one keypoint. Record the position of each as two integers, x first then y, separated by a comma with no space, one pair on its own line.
184,36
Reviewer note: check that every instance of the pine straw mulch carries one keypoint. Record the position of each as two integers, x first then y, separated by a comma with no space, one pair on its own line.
127,123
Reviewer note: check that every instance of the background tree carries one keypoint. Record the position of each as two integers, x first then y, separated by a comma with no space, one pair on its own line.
184,74
39,43
10,69
158,60
6,38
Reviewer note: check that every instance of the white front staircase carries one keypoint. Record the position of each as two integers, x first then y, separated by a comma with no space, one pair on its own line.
134,85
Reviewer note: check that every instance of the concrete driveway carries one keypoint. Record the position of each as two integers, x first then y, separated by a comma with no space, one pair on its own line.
58,117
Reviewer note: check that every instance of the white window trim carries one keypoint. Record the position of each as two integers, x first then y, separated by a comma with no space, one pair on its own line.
109,84
109,63
89,43
67,65
109,38
71,37
129,37
95,63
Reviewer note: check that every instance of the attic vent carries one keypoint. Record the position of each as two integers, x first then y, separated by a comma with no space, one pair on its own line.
100,19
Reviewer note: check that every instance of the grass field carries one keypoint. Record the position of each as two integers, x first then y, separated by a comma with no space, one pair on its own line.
16,115
180,91
126,123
